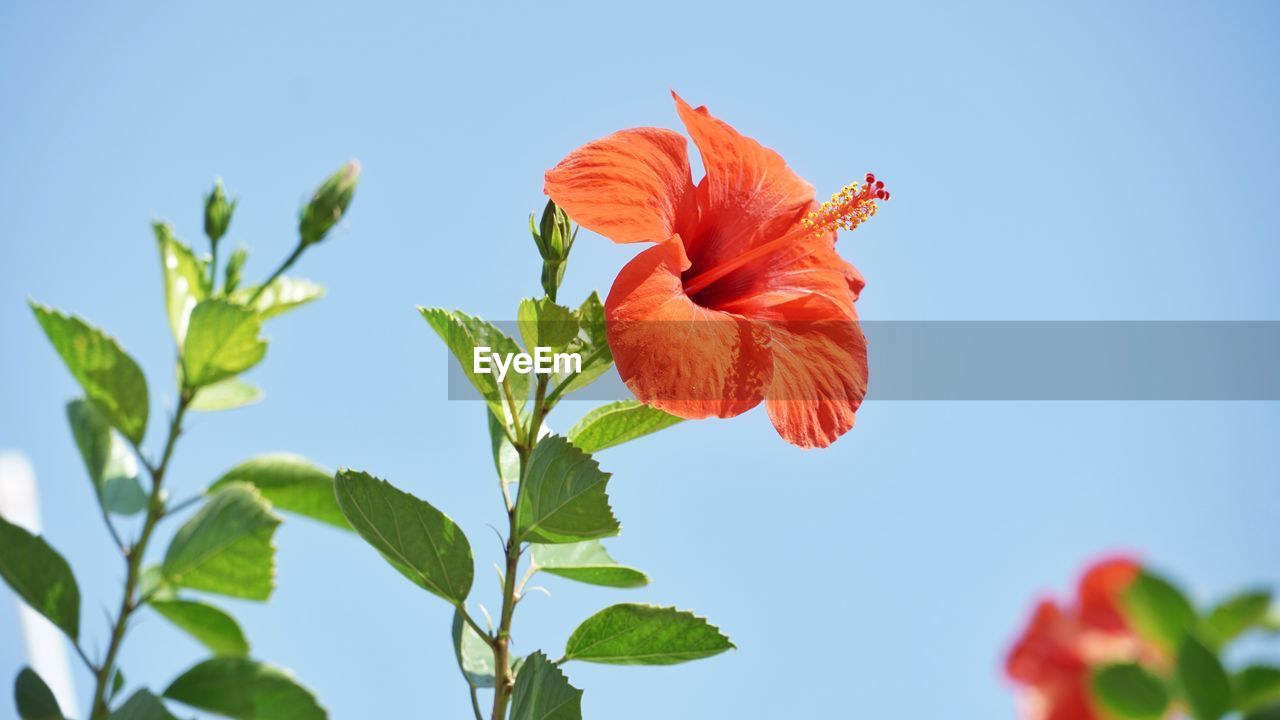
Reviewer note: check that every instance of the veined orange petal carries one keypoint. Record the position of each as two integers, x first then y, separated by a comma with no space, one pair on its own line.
748,195
679,356
629,186
819,370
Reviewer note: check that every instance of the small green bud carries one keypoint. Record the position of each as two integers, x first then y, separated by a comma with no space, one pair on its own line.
218,209
554,235
328,204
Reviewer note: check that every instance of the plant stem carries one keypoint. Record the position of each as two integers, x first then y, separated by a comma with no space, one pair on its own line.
504,680
560,389
288,263
133,563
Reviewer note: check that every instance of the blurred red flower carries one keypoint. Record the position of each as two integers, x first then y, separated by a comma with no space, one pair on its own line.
1053,658
743,298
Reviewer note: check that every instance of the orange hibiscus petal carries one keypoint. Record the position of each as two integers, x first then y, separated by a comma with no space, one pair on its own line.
629,186
819,371
820,271
1047,649
1099,594
676,355
749,193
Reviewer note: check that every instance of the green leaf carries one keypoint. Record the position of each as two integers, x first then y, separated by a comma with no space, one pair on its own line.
33,698
226,395
1128,690
632,634
142,705
186,279
214,628
462,333
586,562
1202,680
245,690
1234,616
592,345
226,547
1256,687
110,464
40,577
291,483
1270,712
117,683
616,423
234,270
417,539
543,323
110,378
282,295
222,342
542,692
475,657
506,459
563,499
1160,612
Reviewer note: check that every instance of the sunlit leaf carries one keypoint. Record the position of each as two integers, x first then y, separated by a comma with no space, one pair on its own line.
542,692
1160,612
226,395
282,295
1236,615
291,483
563,499
462,334
185,279
632,634
213,628
242,689
418,540
475,657
110,378
586,562
1130,691
222,342
543,323
226,547
616,423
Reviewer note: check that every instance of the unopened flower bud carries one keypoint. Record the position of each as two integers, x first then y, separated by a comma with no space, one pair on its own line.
554,237
328,204
218,209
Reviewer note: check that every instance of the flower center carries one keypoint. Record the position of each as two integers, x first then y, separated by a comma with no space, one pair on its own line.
846,210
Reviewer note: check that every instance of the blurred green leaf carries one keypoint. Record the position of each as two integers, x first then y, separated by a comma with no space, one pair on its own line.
1256,687
586,562
110,378
33,698
110,464
543,323
475,657
1231,618
616,423
291,483
40,577
1202,680
226,547
282,295
214,628
542,692
245,690
1270,712
418,540
462,333
563,499
234,270
1131,691
186,279
633,634
142,705
222,342
1159,611
226,395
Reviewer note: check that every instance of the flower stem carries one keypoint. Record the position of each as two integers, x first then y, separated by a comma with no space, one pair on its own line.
504,679
288,263
133,564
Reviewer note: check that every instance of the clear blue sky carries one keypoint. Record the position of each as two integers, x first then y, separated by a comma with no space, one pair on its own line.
1099,160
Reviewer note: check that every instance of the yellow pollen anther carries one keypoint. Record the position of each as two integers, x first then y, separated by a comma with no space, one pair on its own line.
847,209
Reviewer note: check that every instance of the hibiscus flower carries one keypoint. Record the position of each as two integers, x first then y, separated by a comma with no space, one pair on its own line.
1054,657
742,298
